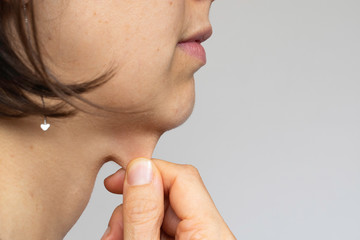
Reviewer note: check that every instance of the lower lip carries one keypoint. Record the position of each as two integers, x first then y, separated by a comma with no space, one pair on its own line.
194,49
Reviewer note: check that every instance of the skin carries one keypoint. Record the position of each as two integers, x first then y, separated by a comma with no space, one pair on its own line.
174,204
46,178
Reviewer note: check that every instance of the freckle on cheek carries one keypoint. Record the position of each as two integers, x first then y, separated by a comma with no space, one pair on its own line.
170,3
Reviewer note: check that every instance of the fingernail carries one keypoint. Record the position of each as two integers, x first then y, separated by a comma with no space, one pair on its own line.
140,172
107,232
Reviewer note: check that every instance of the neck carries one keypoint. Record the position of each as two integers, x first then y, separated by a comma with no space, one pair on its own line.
46,178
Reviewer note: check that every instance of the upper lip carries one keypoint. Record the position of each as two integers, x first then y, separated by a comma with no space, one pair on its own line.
199,36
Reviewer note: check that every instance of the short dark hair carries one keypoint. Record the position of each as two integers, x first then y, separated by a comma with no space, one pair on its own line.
17,79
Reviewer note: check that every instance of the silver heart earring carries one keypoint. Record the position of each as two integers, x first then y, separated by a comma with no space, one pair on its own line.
44,126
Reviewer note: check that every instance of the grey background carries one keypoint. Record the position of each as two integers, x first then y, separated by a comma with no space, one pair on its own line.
276,127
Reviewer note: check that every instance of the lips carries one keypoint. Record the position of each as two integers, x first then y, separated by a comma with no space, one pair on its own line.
199,36
192,44
194,49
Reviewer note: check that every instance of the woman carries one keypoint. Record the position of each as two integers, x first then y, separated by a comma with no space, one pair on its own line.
104,80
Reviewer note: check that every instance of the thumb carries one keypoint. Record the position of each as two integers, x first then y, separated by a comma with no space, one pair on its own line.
143,202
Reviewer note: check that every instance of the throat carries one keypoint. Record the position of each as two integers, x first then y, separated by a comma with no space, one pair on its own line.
42,202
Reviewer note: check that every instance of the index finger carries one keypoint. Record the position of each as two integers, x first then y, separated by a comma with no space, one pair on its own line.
188,195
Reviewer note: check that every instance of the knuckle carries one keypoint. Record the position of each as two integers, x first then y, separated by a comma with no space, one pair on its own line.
191,170
142,211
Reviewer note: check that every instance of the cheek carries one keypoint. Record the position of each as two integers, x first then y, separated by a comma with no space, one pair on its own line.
140,37
83,36
144,49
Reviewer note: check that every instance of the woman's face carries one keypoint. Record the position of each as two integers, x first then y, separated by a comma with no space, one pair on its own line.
154,76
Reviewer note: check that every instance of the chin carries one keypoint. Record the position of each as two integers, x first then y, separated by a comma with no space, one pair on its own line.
177,110
180,116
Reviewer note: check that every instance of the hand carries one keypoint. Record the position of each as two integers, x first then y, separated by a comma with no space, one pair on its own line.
163,200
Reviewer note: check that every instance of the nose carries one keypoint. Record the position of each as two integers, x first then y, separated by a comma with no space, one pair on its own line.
199,12
197,24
